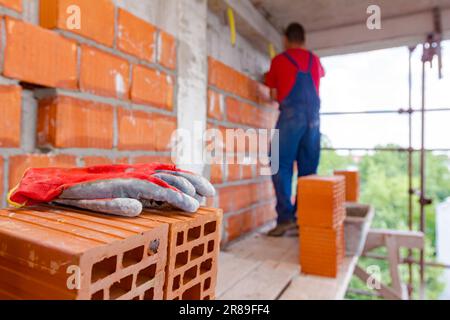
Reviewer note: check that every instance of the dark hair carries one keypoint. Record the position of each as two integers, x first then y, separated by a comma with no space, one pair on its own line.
295,33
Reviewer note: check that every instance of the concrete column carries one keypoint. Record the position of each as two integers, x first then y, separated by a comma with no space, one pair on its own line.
187,21
192,74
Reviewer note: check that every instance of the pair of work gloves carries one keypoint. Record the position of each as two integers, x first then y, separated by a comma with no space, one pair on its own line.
122,190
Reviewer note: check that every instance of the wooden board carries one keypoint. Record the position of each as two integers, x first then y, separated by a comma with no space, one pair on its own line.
307,287
261,267
257,267
231,270
266,282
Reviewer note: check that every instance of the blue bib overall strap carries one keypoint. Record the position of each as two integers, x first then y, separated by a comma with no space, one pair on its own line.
299,134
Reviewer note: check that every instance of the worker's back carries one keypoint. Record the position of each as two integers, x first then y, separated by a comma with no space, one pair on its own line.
283,72
294,78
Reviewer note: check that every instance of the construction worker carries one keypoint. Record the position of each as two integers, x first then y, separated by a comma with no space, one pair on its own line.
294,79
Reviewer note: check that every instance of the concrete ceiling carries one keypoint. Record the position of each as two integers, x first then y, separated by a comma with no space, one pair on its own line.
318,15
338,26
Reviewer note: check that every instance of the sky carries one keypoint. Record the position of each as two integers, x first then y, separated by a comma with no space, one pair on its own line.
378,80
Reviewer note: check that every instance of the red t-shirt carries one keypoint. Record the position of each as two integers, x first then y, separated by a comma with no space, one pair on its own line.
283,73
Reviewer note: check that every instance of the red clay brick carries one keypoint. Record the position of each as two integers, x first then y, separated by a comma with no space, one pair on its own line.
12,4
234,226
140,130
116,258
240,140
331,245
164,128
103,74
321,201
225,145
136,36
233,169
192,259
136,130
211,202
66,122
152,87
239,224
230,80
248,221
215,105
10,109
247,171
239,112
2,187
351,184
244,113
167,51
265,213
216,173
19,163
39,56
233,198
96,18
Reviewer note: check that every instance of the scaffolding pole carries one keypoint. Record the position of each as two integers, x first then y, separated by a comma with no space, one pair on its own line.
410,169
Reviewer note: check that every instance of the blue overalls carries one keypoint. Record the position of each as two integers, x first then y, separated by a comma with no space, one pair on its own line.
299,138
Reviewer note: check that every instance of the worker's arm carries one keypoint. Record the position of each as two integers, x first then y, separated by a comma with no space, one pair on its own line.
270,80
273,94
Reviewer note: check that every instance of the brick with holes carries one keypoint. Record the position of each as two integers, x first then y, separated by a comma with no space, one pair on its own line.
60,253
191,272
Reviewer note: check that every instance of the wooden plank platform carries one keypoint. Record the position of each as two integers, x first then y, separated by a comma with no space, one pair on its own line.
307,287
265,268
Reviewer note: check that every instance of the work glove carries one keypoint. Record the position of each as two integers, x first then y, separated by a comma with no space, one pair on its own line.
114,189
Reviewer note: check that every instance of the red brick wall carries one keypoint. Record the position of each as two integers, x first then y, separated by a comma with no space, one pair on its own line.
102,92
246,196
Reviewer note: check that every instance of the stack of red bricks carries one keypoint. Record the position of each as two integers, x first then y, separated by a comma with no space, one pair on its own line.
103,90
351,184
59,253
321,215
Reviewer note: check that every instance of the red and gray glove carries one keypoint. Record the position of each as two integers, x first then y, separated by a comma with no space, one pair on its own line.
116,189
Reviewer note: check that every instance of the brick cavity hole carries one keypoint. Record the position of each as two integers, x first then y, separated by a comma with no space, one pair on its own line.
193,293
121,287
181,259
197,251
133,256
210,227
194,233
146,275
104,268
